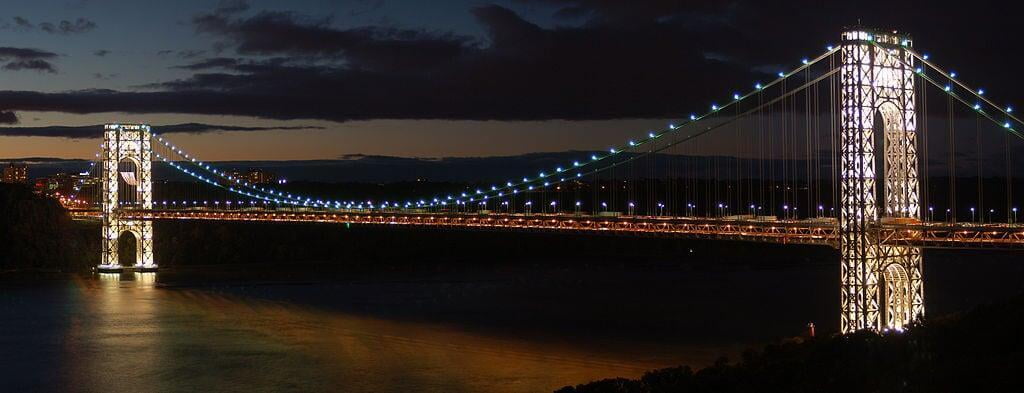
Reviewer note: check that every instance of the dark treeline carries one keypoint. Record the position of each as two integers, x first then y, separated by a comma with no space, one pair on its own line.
36,232
979,351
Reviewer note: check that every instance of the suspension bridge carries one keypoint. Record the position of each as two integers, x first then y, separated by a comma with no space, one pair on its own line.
869,147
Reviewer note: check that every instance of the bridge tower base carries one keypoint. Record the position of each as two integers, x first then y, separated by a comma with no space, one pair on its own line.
127,183
882,285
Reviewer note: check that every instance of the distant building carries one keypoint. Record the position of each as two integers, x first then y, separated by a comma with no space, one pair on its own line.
46,186
66,184
259,176
254,176
83,180
15,173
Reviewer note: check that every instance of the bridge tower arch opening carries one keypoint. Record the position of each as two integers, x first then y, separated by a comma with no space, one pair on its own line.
877,79
127,183
898,296
128,249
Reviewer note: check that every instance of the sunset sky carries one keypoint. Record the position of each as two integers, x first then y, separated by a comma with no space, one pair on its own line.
321,79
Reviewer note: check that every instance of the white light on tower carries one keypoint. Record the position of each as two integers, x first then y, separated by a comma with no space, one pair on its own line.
877,78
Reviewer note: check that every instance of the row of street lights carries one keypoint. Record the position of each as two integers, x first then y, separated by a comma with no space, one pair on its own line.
722,209
974,215
661,209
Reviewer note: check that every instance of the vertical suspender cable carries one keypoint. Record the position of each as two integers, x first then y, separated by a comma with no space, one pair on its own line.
952,159
981,165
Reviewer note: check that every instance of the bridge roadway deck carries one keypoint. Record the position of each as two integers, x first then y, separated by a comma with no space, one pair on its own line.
823,231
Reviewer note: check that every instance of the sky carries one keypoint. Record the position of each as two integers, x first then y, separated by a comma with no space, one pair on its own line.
276,80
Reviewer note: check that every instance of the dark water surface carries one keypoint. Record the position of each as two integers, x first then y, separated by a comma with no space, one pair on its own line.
524,329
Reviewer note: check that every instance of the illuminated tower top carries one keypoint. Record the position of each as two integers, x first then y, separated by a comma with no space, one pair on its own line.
883,37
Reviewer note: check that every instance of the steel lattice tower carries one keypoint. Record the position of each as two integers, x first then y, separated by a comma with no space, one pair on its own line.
126,142
882,286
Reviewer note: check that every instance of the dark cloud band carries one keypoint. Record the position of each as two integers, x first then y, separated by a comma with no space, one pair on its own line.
307,68
26,59
96,131
613,59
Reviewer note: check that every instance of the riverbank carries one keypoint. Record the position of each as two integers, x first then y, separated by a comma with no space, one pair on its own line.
976,351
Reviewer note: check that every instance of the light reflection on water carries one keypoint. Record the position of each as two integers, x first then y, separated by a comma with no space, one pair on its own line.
417,332
134,336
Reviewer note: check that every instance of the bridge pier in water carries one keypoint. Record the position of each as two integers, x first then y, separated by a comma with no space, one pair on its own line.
882,285
127,183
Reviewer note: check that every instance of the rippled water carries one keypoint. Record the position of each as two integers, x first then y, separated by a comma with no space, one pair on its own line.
132,335
482,332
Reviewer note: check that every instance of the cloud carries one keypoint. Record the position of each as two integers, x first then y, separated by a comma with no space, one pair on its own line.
518,71
23,23
25,53
96,131
213,63
35,65
377,48
228,7
66,27
183,54
284,65
190,53
101,52
308,68
26,59
604,59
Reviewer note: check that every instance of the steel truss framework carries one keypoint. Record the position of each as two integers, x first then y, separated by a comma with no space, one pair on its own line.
784,232
821,232
882,285
126,142
946,235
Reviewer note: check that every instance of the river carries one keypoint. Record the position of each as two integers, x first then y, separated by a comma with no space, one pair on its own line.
530,328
